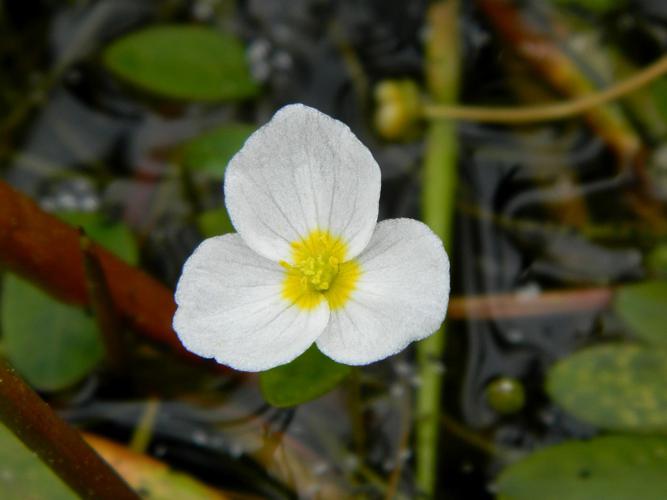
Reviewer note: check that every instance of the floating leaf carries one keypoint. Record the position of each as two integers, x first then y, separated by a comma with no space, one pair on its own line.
616,386
114,236
304,379
215,222
53,345
211,151
23,476
183,62
643,307
609,468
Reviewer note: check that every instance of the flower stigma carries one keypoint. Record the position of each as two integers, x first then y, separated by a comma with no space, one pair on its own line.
318,271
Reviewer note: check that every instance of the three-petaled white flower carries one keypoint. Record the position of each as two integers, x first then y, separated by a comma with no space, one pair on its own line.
310,263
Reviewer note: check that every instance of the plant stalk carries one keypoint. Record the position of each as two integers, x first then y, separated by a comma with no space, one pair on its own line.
442,73
57,444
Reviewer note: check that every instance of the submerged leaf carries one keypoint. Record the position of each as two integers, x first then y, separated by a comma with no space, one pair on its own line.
114,236
610,467
23,476
210,152
53,345
183,62
616,386
643,307
152,478
307,377
214,222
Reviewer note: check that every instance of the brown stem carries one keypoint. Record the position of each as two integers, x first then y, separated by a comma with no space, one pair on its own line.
513,305
57,444
562,73
46,251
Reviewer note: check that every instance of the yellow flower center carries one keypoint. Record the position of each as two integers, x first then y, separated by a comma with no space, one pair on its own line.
318,271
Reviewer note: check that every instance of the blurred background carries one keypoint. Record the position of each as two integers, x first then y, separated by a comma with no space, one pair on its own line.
119,116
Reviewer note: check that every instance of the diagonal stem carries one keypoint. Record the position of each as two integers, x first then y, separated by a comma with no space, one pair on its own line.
57,444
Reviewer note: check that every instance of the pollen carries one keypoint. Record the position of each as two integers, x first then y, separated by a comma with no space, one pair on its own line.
318,271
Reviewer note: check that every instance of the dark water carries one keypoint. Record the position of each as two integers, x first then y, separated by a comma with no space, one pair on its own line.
76,138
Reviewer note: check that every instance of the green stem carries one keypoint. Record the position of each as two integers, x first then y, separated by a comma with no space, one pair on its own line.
56,443
438,203
356,413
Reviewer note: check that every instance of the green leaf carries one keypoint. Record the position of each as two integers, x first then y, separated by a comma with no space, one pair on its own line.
182,62
643,307
211,151
595,6
23,476
615,386
115,237
52,345
609,468
656,262
658,90
214,222
304,379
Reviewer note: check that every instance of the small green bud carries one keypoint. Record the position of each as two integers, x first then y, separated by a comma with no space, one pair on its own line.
506,395
398,109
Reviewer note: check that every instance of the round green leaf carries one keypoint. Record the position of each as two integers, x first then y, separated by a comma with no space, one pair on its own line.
115,237
211,151
616,386
304,379
643,307
52,345
182,62
23,476
609,468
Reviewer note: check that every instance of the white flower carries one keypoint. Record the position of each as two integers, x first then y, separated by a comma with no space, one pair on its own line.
309,263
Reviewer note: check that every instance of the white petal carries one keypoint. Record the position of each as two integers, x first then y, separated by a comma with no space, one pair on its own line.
401,296
300,172
230,308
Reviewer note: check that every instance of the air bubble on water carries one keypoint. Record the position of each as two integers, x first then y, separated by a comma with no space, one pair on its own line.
350,462
397,391
415,381
203,10
529,291
160,451
200,438
403,368
282,61
67,201
47,205
312,490
89,204
405,454
515,336
236,450
320,468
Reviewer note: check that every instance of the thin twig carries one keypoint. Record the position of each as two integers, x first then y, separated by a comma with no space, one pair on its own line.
548,112
101,303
